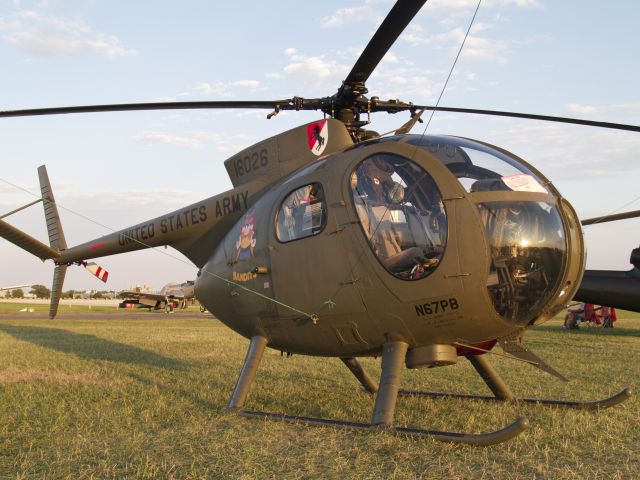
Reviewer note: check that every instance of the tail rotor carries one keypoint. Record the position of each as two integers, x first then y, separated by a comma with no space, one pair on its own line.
57,241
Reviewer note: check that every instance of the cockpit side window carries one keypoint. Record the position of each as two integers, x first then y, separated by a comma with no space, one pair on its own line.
401,212
302,214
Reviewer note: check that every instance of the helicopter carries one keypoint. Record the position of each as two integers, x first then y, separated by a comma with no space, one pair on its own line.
337,241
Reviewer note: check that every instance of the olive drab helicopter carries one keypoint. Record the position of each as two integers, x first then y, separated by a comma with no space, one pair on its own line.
336,241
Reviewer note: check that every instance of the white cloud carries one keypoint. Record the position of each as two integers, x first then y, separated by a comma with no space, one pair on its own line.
405,81
198,139
178,141
347,16
221,89
617,109
582,109
480,27
48,36
225,143
315,70
107,199
475,47
483,49
458,4
390,57
571,152
218,89
13,194
163,99
250,84
367,13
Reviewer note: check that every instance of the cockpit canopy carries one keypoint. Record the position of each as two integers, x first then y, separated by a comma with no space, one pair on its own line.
401,212
526,238
480,167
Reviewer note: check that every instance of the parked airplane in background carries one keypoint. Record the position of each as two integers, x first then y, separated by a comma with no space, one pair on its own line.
170,296
14,287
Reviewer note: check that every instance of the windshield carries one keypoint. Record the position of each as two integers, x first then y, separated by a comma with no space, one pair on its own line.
401,212
527,251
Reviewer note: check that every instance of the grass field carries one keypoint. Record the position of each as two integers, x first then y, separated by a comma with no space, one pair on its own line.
142,396
9,307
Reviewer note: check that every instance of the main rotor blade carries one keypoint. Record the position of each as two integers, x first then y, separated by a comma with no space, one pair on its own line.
611,218
530,116
125,107
393,25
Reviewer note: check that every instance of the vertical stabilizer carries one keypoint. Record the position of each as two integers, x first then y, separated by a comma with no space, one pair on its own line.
56,289
54,227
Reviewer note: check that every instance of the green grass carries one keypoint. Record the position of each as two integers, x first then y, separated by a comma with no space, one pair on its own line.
144,399
10,308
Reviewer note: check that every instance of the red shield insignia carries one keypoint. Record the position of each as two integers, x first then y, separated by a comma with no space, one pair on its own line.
317,136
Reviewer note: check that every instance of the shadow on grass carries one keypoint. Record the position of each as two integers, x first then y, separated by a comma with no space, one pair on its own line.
599,331
173,390
89,346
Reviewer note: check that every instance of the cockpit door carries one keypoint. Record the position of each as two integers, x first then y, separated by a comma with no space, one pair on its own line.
311,271
405,203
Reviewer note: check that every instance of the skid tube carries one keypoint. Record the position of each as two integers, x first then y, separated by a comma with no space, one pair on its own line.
593,405
483,439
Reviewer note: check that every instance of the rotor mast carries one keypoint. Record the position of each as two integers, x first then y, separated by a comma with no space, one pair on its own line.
350,102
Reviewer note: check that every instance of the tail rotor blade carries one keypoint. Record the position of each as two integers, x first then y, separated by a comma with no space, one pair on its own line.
56,289
54,227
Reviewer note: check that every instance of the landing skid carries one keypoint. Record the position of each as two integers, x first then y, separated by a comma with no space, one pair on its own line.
393,359
483,439
593,405
500,390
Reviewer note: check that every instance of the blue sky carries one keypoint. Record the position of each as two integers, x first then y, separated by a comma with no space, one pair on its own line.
568,58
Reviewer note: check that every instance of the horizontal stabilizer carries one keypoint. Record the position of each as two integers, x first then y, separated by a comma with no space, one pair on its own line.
27,242
97,270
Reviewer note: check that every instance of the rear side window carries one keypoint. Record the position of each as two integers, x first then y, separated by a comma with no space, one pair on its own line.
303,213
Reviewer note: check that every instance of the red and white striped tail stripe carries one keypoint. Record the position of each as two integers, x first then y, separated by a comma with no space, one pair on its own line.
97,270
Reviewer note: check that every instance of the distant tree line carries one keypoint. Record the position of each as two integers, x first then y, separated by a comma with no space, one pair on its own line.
40,291
17,293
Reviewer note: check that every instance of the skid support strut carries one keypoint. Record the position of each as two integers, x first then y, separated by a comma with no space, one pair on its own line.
393,358
248,373
491,378
393,354
363,377
502,393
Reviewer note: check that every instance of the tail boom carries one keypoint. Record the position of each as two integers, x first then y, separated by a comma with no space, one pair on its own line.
181,229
